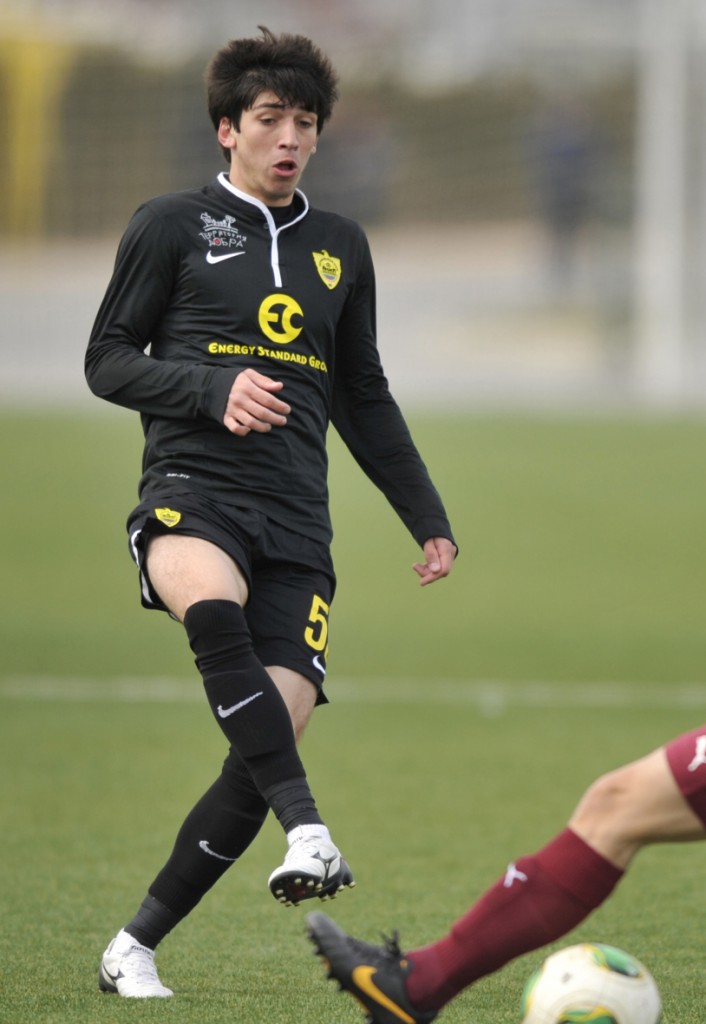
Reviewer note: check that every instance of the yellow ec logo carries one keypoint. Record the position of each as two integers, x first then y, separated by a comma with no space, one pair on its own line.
275,318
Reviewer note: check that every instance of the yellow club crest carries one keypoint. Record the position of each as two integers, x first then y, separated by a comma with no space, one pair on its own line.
329,268
168,516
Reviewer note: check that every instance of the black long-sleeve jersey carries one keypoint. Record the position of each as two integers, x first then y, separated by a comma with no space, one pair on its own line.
211,282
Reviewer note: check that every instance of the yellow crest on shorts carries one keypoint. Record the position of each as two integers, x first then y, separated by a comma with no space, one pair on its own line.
329,268
168,516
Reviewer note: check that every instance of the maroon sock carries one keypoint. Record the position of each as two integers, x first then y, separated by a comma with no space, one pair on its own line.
539,899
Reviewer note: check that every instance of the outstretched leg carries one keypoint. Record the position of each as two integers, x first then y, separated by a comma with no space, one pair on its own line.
659,798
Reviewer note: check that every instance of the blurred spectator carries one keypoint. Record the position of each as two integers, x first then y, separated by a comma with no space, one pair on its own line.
355,169
563,157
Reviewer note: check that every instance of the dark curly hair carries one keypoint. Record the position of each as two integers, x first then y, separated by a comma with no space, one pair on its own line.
290,66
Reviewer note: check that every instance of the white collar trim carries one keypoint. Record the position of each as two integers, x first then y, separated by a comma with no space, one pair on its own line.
274,230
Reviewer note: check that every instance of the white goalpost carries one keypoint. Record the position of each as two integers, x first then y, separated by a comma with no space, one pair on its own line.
661,349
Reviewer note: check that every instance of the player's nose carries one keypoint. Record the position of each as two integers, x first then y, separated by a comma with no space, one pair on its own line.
288,135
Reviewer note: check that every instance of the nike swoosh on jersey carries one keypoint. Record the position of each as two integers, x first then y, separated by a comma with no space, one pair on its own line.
210,258
362,977
225,712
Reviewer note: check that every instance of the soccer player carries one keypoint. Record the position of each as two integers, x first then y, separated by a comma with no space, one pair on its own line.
660,798
259,315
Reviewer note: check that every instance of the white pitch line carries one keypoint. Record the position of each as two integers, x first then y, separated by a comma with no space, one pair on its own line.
488,697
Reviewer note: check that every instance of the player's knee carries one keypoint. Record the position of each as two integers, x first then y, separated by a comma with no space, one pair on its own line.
605,802
218,633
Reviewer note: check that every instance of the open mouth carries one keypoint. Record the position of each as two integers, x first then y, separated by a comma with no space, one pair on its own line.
286,166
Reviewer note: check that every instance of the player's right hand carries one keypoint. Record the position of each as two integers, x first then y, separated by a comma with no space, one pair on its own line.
253,404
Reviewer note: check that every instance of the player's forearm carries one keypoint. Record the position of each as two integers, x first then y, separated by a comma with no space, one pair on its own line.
125,376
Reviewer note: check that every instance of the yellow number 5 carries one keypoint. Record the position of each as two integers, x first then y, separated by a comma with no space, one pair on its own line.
316,635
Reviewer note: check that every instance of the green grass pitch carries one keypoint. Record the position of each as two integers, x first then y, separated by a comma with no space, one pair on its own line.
466,718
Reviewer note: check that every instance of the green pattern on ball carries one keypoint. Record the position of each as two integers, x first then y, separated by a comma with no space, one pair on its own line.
528,990
615,960
598,1016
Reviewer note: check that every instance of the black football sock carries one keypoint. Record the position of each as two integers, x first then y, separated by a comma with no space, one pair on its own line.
249,709
152,922
215,833
293,804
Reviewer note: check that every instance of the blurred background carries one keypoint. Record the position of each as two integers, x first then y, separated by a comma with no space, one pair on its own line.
532,175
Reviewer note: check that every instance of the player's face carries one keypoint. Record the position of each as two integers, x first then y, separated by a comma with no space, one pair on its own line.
271,149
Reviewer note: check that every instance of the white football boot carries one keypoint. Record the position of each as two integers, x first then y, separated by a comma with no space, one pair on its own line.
312,868
128,969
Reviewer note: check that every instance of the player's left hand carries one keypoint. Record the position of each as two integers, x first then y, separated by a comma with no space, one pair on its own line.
439,554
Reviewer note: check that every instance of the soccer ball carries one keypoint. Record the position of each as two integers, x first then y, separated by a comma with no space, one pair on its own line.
591,984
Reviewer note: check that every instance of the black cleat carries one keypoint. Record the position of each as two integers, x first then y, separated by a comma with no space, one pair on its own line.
374,975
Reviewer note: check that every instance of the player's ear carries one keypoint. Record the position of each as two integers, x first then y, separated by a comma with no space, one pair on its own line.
226,133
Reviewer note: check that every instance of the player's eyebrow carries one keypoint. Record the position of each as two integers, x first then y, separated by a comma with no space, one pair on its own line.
279,105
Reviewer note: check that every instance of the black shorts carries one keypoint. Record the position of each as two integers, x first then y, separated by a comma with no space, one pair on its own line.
290,577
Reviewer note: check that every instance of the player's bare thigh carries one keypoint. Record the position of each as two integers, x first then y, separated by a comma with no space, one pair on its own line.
184,570
632,806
